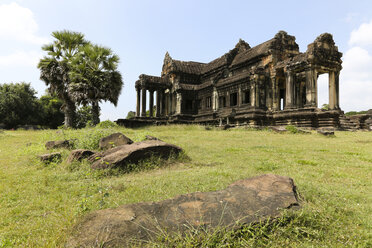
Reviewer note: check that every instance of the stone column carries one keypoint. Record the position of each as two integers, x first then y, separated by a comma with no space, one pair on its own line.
214,99
143,113
166,105
240,96
297,94
311,88
275,90
151,103
337,90
162,103
289,90
228,98
170,103
158,103
138,102
269,93
257,104
333,90
178,103
253,94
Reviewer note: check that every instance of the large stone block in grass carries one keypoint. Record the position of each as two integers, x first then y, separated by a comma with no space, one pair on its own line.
243,202
59,144
51,157
78,155
131,154
114,140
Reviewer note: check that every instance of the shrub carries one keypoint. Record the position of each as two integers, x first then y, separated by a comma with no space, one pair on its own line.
291,129
106,124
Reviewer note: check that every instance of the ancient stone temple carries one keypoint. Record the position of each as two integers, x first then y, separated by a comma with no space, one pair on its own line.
272,83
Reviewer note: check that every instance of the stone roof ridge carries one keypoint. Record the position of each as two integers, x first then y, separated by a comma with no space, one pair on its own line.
325,37
242,46
227,58
167,58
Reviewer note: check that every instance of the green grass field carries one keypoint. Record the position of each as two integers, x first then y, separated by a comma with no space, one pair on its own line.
39,204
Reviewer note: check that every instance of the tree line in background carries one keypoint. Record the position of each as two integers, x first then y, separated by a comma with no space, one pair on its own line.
20,107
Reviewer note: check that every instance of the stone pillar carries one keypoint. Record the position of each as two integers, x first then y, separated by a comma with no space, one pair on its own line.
289,90
178,103
269,93
297,94
333,90
138,102
170,103
311,88
227,98
143,113
162,103
158,103
276,93
166,103
214,99
257,104
240,98
253,94
151,103
337,90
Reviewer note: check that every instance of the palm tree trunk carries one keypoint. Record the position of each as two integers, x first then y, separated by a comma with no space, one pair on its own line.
95,113
70,113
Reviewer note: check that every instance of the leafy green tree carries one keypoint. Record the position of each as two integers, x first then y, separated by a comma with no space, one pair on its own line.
95,77
55,68
131,115
325,106
18,105
51,114
84,116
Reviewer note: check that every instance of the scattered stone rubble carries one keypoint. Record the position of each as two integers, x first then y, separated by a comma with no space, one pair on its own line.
119,151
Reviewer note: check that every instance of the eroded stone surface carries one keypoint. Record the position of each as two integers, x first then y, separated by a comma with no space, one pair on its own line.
279,129
326,132
149,137
122,155
78,155
114,140
242,202
51,157
58,144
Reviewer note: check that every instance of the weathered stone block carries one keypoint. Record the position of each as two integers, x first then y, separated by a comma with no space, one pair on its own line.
122,155
51,157
114,140
59,144
78,155
243,202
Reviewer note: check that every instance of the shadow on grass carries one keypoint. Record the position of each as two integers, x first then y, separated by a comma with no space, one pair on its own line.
154,162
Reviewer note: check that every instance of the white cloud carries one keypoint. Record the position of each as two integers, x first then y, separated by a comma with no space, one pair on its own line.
18,23
362,36
356,75
21,58
357,64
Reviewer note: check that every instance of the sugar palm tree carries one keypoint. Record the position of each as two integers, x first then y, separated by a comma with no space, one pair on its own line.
95,77
55,67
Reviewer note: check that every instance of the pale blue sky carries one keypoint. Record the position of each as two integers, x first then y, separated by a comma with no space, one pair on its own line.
140,32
